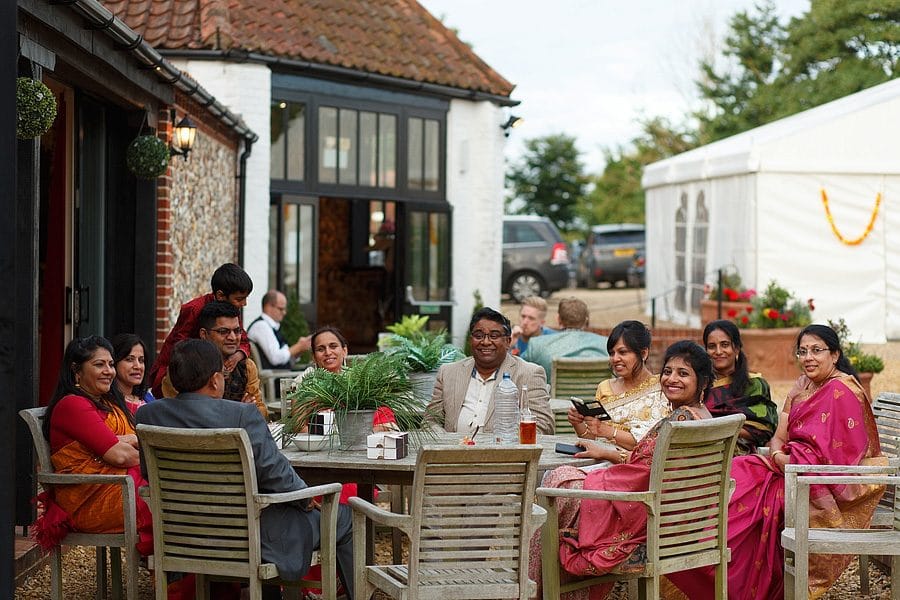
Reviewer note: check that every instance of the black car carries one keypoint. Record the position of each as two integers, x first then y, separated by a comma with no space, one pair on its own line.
609,253
535,257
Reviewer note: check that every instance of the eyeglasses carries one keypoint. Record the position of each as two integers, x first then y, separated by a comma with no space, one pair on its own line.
492,335
223,331
815,351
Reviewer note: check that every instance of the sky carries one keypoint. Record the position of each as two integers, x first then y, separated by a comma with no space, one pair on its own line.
592,68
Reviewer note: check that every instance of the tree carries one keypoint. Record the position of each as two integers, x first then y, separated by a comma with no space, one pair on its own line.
549,180
837,48
739,96
617,196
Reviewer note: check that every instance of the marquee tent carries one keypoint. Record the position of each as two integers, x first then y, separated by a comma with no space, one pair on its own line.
759,202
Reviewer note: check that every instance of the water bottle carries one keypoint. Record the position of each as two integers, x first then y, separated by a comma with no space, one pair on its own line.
506,412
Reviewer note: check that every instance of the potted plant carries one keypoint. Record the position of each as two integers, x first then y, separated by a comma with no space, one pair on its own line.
354,394
731,296
866,364
409,326
770,326
423,354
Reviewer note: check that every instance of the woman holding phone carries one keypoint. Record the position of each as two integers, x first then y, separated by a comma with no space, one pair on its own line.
633,398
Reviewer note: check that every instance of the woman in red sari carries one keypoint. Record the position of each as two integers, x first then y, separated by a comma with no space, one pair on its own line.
91,430
826,420
601,536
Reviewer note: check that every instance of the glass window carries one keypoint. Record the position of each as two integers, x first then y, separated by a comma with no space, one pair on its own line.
328,145
368,149
432,152
297,250
296,141
414,154
276,140
698,256
681,254
387,151
428,256
347,147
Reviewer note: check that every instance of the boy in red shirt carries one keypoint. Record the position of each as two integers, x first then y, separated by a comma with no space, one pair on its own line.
229,283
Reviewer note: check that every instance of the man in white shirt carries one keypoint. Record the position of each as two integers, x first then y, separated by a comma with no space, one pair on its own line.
265,332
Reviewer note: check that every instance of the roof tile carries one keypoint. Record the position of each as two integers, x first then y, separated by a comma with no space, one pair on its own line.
398,38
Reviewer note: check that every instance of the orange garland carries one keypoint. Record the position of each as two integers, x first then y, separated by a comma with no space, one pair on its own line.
865,234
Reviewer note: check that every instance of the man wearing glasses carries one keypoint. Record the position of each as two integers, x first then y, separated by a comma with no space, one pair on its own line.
220,324
463,398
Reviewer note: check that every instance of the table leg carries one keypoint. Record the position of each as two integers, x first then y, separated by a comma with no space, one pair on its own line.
397,506
366,492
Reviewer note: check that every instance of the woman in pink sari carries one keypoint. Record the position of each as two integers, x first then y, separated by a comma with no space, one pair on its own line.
826,420
599,536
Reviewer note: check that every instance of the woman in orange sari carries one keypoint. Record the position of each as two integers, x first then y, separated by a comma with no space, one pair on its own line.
91,431
826,420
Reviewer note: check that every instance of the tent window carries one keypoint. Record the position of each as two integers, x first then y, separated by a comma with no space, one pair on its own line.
680,253
698,255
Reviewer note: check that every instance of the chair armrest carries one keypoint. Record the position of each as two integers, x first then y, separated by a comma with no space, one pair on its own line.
78,478
763,450
644,497
379,515
850,469
327,489
538,518
807,480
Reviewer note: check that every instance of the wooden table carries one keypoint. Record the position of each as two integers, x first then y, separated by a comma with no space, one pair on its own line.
352,466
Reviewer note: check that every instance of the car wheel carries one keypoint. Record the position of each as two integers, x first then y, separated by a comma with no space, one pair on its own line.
525,284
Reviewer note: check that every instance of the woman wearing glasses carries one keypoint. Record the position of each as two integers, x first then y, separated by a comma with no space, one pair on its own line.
826,419
463,398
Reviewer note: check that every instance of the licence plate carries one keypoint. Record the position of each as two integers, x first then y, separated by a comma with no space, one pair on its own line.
623,252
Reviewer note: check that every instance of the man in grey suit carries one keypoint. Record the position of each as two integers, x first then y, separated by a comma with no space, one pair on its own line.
288,532
463,397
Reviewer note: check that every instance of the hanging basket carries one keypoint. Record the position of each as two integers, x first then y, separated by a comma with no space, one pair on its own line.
147,157
35,108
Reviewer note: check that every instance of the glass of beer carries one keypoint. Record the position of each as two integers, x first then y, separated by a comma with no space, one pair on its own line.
527,428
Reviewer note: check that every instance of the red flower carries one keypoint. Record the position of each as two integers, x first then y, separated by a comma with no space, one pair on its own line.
749,309
745,320
784,318
771,313
732,313
730,294
810,304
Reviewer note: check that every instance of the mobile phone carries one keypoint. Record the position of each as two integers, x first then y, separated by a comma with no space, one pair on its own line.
590,408
568,448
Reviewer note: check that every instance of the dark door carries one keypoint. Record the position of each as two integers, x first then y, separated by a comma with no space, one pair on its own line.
426,284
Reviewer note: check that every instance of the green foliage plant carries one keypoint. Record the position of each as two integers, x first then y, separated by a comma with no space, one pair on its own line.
863,362
776,308
147,157
409,326
424,353
294,325
368,383
35,108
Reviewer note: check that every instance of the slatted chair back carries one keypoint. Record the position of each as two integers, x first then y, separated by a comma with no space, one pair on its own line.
688,524
47,477
471,512
686,503
201,495
470,505
578,377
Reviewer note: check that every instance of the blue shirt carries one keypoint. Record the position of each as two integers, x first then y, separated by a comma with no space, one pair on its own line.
522,344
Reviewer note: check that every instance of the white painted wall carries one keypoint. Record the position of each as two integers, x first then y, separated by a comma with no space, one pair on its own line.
475,171
246,89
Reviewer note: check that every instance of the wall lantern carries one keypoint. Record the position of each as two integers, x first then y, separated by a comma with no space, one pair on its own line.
512,122
183,136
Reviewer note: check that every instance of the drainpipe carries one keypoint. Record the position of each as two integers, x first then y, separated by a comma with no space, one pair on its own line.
242,196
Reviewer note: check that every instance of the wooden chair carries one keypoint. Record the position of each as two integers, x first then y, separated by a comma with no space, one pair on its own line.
268,378
471,518
206,507
887,417
560,408
578,377
686,503
126,540
799,540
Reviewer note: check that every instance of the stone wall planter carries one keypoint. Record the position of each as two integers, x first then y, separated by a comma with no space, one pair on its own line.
865,379
709,310
771,352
